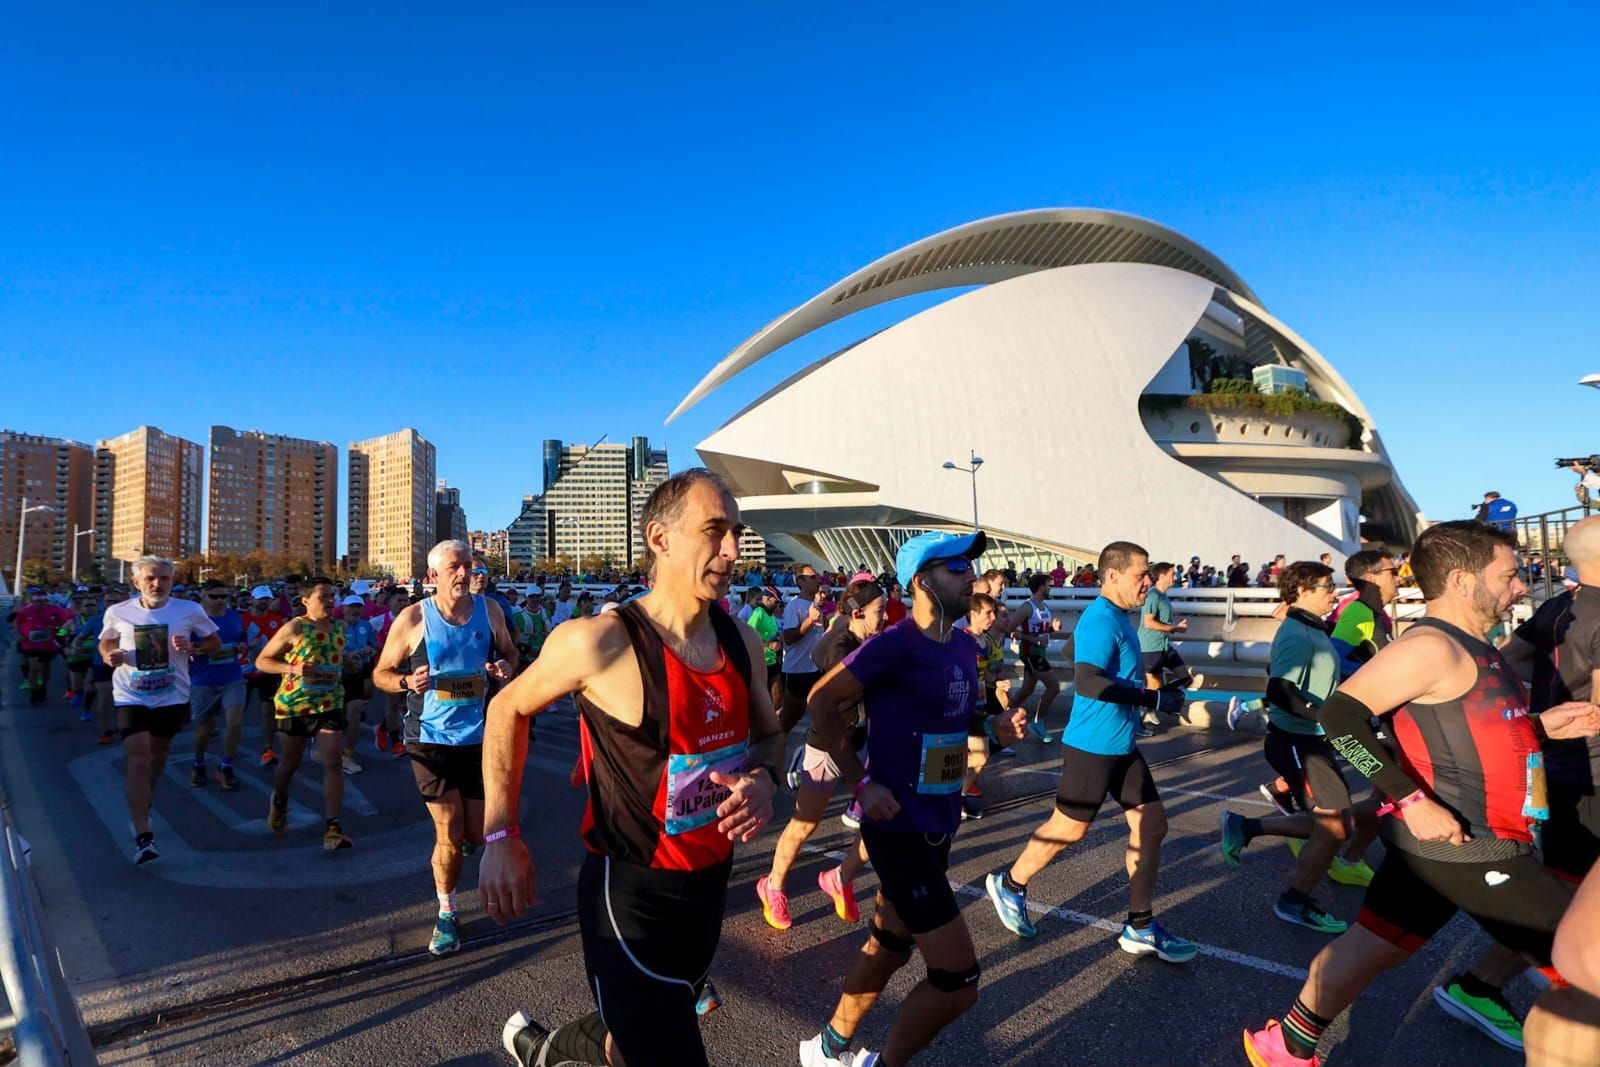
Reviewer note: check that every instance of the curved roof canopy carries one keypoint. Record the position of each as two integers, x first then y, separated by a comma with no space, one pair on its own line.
979,253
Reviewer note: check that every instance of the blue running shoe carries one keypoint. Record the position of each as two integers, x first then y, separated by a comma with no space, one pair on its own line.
445,939
1011,907
1155,941
709,1000
1037,730
1233,839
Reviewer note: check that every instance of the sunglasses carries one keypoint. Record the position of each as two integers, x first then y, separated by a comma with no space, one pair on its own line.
954,565
480,570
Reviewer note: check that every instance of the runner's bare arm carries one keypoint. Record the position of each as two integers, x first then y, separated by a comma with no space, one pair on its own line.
837,692
1569,721
575,651
270,659
397,647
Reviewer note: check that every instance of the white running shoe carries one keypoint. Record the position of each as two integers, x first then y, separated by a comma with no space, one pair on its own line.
350,764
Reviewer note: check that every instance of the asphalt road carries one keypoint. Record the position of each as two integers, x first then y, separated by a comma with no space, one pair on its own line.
240,948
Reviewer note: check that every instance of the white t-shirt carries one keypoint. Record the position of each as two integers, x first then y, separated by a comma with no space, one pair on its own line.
563,611
155,674
1591,481
797,657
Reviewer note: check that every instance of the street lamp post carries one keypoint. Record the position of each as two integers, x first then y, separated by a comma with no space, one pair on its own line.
574,520
975,461
77,533
22,538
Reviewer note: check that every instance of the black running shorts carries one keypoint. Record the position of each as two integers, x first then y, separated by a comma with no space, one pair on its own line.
1036,662
162,723
1166,659
799,683
1517,901
1307,764
648,939
1087,778
441,769
40,655
310,725
911,870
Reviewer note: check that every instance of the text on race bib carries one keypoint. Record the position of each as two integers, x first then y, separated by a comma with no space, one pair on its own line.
459,687
692,797
38,637
944,763
320,678
152,683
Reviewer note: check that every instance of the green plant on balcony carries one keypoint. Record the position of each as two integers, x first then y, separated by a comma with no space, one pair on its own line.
1240,396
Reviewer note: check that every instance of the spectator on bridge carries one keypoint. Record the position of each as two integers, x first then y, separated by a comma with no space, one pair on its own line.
1058,577
1238,575
1496,511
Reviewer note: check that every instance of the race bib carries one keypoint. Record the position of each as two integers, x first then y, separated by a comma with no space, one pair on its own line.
320,678
150,648
944,763
692,797
153,683
1536,804
455,688
227,654
38,637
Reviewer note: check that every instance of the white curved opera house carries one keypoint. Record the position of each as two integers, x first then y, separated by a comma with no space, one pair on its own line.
1111,348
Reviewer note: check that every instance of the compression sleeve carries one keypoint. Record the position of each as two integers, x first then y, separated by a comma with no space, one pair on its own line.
1349,726
1090,681
1284,694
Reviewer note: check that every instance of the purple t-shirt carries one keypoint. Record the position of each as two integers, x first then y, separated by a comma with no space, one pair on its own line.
920,694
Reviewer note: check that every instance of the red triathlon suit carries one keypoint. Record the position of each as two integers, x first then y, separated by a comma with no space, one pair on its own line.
653,887
1477,755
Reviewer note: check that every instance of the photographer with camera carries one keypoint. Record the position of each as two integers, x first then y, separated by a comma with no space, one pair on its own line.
1588,472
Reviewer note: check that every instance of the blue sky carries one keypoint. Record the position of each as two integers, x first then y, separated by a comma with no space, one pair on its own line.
498,226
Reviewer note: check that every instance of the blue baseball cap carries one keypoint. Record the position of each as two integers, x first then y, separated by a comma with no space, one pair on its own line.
927,548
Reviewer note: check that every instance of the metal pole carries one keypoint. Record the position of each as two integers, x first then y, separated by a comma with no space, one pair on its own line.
22,535
74,553
974,499
1544,550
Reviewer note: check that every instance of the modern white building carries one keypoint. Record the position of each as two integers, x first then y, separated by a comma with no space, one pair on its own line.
1102,338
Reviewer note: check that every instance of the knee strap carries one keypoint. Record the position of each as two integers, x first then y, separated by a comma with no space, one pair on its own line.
953,981
892,942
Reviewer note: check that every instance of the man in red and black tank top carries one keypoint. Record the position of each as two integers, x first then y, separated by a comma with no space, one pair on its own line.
1466,786
679,748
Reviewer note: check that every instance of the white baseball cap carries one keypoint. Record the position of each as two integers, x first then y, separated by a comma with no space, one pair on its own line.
352,599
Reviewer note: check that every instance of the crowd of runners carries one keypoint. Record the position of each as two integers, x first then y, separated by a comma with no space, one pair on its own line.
1440,771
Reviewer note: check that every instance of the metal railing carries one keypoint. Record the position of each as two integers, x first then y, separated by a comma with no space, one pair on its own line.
43,1017
1545,534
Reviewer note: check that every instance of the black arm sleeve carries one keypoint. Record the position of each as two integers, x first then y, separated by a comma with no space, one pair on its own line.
1091,681
1349,726
1284,694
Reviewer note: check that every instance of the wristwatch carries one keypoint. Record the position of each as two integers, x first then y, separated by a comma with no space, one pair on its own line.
405,684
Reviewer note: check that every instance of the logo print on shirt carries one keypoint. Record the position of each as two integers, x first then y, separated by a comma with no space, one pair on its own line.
713,706
1494,878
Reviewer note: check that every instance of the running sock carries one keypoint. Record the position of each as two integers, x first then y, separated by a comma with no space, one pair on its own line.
1294,898
1141,920
447,903
583,1041
1302,1029
1251,827
330,824
1011,886
834,1043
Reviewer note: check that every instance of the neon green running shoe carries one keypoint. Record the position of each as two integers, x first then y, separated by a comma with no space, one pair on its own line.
1492,1015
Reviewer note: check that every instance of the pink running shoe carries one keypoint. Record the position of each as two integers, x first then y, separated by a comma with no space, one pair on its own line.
842,894
1265,1048
774,905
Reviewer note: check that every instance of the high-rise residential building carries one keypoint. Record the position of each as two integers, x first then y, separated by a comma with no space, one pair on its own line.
490,542
526,536
274,494
50,473
449,521
147,496
391,512
754,551
592,505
